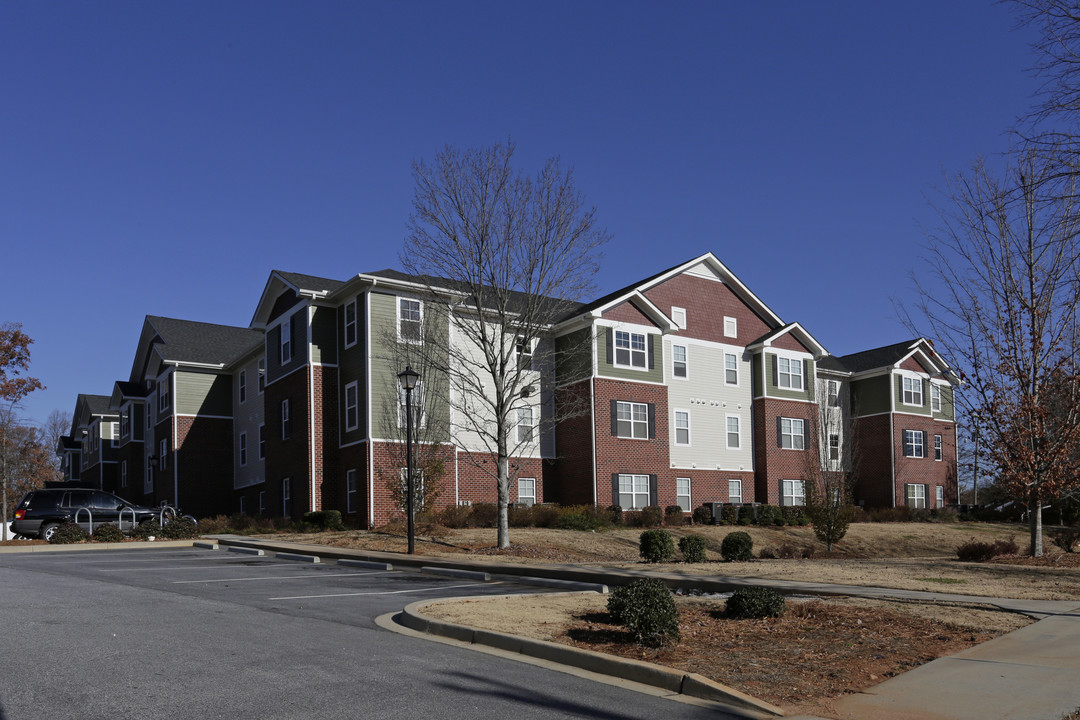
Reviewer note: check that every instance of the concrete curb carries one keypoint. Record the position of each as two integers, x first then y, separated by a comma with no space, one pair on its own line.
658,676
89,546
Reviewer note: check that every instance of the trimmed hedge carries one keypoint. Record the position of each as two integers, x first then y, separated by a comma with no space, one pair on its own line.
645,607
737,547
656,546
755,602
107,534
69,533
692,548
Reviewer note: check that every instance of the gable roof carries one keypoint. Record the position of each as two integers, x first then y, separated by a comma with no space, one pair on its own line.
280,282
798,332
309,283
890,356
190,342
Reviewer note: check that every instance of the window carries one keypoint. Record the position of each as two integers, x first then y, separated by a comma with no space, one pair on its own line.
262,375
525,424
125,422
678,316
916,495
935,398
286,419
791,434
148,478
682,427
410,320
149,409
832,389
352,409
418,489
789,373
733,438
633,491
286,497
163,394
527,491
163,454
792,492
243,505
731,327
834,447
940,496
632,420
419,416
350,323
912,391
734,491
913,444
350,491
678,361
682,494
262,502
937,447
262,441
731,368
114,428
629,349
241,384
286,341
123,473
523,350
243,449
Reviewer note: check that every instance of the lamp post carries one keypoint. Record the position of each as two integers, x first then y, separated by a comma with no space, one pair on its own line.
408,379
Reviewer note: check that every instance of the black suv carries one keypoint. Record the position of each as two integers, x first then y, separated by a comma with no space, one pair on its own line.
40,512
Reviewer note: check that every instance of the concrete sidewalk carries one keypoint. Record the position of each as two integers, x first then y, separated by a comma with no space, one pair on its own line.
1030,674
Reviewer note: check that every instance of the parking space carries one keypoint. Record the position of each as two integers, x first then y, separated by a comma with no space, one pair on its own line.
322,589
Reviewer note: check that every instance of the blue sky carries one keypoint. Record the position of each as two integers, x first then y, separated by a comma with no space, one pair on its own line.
162,158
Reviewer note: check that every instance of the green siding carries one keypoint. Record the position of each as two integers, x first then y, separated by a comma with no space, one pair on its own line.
871,396
774,390
901,406
573,356
203,394
352,366
755,375
324,336
948,404
609,369
298,323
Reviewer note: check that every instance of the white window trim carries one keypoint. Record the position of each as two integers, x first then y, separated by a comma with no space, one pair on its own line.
243,505
832,399
115,429
285,343
689,494
790,374
519,342
350,494
727,382
632,421
686,362
163,454
935,398
675,427
261,369
346,324
349,426
675,313
904,391
801,434
261,435
732,484
286,418
920,446
243,449
734,324
397,306
939,448
262,502
241,387
644,367
524,497
634,493
788,500
939,496
919,494
525,428
727,432
164,398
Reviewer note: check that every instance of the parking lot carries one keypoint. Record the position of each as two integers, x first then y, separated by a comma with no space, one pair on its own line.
207,633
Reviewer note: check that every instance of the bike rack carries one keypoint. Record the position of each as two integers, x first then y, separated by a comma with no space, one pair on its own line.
133,518
89,514
161,515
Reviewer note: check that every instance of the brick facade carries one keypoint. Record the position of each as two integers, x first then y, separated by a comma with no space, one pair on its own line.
203,460
773,463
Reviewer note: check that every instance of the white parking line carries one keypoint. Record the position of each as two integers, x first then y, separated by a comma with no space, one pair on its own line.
385,592
170,569
278,577
170,558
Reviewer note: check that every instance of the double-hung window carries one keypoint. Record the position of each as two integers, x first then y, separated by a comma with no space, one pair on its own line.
352,407
916,495
633,491
792,492
527,491
834,448
733,435
523,349
792,436
914,446
114,428
935,398
410,320
350,491
734,491
418,489
123,473
241,384
682,494
912,391
163,394
630,349
163,454
419,417
350,323
682,427
731,369
262,442
286,497
937,447
678,361
632,420
262,375
789,373
525,424
832,390
286,419
285,350
243,449
940,496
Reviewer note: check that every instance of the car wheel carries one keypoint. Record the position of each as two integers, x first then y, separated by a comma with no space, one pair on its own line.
48,532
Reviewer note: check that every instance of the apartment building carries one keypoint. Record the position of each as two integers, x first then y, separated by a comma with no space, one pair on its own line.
684,388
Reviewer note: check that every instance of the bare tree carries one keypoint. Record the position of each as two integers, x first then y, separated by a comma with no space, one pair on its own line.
57,425
511,250
1000,293
14,386
830,460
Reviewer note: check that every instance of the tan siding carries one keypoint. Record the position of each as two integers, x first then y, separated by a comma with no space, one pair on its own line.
203,394
324,323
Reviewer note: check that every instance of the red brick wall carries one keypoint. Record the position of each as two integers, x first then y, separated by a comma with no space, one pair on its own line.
925,470
325,438
204,464
570,480
707,302
133,454
773,463
388,463
707,486
624,455
873,461
289,458
353,457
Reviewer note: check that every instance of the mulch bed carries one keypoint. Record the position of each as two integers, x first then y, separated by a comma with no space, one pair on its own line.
817,652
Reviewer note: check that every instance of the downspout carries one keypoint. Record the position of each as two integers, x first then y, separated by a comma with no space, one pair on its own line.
311,405
175,437
592,412
368,392
892,434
